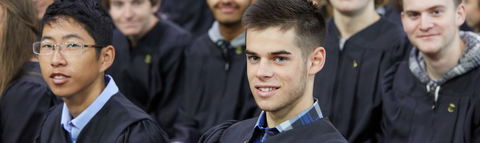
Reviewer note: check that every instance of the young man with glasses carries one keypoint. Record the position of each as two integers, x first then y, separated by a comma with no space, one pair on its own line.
74,52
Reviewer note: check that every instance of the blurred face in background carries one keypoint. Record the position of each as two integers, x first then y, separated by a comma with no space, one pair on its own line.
42,7
350,7
228,12
133,17
473,13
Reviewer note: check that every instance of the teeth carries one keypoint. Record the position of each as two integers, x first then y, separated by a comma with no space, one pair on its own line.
59,77
266,89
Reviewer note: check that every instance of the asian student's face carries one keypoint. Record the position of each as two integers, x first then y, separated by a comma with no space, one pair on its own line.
473,13
133,17
276,70
431,25
68,75
228,11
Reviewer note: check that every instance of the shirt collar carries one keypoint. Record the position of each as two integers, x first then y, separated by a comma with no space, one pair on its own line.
81,120
215,36
308,116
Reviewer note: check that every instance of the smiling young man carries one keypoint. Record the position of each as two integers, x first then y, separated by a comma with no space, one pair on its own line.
216,88
149,56
284,52
74,52
434,96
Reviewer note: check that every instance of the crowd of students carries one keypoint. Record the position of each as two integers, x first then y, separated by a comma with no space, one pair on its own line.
359,71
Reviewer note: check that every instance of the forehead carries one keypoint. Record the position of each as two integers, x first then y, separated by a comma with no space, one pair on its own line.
271,39
420,5
63,26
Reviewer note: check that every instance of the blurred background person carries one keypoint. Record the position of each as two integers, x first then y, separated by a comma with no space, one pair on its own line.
149,52
41,7
25,96
216,86
193,15
433,97
361,46
473,14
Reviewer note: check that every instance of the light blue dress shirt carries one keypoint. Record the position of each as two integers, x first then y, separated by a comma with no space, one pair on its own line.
75,126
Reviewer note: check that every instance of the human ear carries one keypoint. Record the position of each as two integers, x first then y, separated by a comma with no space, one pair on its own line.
317,59
106,58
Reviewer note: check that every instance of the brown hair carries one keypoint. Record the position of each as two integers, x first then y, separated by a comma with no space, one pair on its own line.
302,16
106,3
20,27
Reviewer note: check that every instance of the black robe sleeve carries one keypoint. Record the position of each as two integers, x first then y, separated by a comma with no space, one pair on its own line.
23,104
142,132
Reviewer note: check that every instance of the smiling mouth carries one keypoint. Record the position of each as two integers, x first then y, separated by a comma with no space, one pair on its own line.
266,89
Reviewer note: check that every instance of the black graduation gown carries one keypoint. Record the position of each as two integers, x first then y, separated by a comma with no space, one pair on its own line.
193,15
212,94
119,121
348,86
148,74
23,104
320,131
409,117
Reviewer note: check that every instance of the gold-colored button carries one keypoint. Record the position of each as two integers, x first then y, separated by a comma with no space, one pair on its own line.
239,50
148,59
451,108
355,64
245,141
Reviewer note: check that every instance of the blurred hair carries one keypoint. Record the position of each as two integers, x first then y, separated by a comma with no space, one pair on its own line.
89,14
20,27
302,16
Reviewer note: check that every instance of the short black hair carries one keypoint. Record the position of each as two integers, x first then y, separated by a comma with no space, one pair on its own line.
301,15
89,14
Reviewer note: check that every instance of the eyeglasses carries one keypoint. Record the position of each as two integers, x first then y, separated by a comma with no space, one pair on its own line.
67,48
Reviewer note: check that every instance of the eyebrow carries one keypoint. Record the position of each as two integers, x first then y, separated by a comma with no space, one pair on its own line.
431,8
69,36
282,52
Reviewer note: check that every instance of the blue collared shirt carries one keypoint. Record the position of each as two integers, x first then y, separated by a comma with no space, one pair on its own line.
75,126
262,132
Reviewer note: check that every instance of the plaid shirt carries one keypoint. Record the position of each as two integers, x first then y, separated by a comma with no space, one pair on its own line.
262,132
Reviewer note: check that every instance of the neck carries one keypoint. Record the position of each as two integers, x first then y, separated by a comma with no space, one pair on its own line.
135,38
275,118
439,63
351,23
229,32
80,101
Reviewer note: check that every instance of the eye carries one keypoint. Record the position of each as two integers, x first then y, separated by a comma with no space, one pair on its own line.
137,2
413,15
253,58
437,12
47,46
117,4
73,45
280,59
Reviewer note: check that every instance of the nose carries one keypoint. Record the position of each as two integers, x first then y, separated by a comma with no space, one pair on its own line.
425,23
264,71
58,59
128,11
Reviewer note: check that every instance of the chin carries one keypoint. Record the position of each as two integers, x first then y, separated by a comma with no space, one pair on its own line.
129,31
